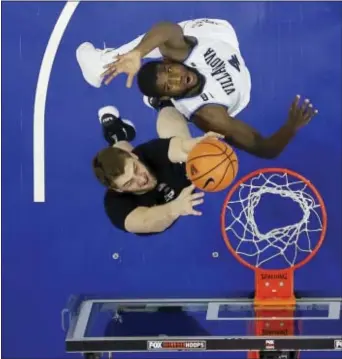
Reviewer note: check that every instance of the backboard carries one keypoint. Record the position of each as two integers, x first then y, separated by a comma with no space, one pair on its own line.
109,325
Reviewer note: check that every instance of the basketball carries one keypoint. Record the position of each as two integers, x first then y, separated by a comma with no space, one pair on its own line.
212,165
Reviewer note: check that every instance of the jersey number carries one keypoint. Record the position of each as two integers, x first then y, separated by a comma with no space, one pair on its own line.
204,97
234,61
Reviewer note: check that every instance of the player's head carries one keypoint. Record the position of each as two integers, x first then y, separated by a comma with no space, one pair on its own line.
122,171
169,79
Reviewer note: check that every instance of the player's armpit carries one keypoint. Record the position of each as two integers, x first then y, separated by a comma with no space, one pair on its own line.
169,38
150,219
241,135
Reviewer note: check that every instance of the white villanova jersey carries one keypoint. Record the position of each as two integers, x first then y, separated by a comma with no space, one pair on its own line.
217,57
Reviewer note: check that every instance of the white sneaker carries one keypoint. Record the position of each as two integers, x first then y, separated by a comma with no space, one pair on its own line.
92,62
112,111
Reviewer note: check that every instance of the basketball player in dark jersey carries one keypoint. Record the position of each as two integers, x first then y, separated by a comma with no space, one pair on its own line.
147,186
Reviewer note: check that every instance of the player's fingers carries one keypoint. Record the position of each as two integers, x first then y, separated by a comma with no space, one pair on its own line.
197,202
310,113
111,64
109,71
214,134
304,106
190,188
113,74
110,78
108,65
115,60
197,195
196,213
314,114
187,190
295,103
129,82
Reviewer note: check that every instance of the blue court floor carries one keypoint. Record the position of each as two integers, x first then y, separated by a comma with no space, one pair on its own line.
64,244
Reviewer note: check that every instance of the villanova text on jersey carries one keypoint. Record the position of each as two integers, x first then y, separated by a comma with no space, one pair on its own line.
219,71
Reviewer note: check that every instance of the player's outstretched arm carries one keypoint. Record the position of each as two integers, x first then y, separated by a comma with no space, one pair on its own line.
243,136
166,36
151,219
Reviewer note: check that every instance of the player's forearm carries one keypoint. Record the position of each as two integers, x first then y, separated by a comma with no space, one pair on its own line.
274,145
130,45
133,44
158,218
156,37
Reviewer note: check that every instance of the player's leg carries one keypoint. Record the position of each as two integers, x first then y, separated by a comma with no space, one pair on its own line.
171,123
117,132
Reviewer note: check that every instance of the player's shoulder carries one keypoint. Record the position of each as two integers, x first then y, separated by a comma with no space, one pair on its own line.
154,152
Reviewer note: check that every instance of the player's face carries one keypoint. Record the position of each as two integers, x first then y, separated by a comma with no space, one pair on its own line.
136,177
175,79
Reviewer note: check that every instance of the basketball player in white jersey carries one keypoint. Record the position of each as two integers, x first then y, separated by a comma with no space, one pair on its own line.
203,74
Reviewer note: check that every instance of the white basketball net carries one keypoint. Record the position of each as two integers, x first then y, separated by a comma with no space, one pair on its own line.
250,242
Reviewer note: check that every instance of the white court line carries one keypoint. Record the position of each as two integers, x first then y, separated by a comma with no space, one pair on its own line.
40,100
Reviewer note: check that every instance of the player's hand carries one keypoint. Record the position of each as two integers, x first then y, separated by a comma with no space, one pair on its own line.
189,144
301,113
128,63
211,134
184,204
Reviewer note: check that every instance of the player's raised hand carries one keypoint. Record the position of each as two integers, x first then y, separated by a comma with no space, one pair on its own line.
186,201
187,145
301,113
128,63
